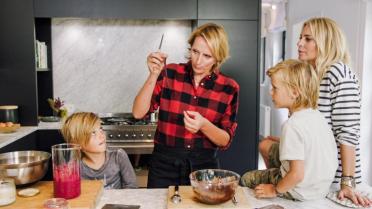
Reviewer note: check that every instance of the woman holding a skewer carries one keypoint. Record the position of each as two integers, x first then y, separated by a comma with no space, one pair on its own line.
197,108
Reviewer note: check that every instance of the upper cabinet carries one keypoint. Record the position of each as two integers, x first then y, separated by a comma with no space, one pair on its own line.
128,9
228,9
17,59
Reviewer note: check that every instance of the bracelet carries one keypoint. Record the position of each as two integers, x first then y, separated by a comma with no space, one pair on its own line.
348,181
278,194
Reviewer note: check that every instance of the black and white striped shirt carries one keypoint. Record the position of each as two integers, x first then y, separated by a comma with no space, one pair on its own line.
339,101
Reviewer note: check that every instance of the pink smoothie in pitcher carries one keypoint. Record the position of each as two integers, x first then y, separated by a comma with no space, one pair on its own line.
67,180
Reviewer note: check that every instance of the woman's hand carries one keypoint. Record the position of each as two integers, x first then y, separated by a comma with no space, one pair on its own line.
265,191
156,62
355,197
193,121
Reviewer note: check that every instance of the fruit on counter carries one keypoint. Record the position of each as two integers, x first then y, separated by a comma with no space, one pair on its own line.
6,124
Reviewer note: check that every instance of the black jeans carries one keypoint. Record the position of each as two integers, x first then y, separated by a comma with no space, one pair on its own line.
172,166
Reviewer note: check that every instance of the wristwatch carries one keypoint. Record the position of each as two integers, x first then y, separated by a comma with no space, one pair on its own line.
348,181
278,194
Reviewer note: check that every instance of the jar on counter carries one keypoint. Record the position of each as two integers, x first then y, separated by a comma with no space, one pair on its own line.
54,203
7,191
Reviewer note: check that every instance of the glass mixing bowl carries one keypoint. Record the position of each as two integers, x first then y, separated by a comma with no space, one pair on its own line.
214,186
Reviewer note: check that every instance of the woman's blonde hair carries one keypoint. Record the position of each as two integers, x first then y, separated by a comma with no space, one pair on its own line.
301,77
217,40
78,127
330,41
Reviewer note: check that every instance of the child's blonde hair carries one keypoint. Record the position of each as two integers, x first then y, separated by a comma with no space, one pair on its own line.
78,127
301,77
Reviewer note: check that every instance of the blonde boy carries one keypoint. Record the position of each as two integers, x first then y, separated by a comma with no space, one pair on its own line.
113,166
307,149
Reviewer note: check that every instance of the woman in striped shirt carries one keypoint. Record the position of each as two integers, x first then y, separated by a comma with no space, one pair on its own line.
323,45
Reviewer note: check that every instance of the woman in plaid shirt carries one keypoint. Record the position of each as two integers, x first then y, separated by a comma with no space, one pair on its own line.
197,108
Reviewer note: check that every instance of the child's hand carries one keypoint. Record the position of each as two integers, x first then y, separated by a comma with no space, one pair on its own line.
273,138
265,191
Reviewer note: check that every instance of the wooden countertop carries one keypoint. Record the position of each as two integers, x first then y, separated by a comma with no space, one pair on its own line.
91,192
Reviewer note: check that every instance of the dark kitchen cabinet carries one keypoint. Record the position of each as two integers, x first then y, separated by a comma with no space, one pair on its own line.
124,9
25,143
228,9
17,59
243,66
44,142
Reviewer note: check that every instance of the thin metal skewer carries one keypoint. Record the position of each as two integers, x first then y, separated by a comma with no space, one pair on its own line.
160,45
161,41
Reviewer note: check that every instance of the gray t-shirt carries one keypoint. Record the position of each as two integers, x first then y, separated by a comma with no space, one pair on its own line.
117,171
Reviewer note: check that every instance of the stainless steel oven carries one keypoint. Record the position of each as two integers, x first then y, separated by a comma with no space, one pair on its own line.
136,137
124,131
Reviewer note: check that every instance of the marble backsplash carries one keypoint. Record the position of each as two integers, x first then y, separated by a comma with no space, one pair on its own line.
99,65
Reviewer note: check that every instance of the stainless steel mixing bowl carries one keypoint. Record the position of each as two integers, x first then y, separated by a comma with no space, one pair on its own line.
24,167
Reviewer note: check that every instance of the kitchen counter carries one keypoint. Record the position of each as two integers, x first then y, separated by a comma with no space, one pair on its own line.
49,125
157,199
7,138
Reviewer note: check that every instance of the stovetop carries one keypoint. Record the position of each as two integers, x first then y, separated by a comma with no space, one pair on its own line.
120,119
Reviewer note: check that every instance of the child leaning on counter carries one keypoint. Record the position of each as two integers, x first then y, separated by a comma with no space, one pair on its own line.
307,158
113,166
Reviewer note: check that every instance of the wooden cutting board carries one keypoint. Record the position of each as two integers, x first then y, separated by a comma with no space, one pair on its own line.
91,191
189,202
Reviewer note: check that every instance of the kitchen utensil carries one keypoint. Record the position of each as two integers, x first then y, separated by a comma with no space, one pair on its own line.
7,191
214,186
9,113
161,42
160,45
234,200
66,170
176,198
24,166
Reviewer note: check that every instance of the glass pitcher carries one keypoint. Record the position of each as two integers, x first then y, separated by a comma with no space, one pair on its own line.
66,170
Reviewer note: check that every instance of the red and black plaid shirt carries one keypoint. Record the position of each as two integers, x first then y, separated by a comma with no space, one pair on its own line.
216,99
